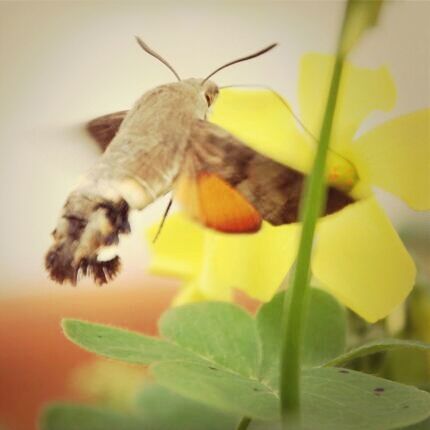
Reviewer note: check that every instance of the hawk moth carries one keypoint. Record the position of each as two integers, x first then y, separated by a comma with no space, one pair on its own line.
165,143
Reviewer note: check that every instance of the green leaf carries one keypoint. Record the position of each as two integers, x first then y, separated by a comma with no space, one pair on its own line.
217,333
200,340
347,400
162,409
324,333
120,344
325,329
331,398
78,417
340,399
373,347
361,15
219,388
221,333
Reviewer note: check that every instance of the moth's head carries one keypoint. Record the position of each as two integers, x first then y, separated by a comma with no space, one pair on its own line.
210,91
207,91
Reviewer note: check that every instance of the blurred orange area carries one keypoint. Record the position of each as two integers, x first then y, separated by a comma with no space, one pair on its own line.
36,360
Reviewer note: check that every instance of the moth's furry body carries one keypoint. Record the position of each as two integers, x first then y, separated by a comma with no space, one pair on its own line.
140,155
138,166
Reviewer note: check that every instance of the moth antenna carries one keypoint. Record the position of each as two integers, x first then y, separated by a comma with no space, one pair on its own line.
239,60
147,49
160,227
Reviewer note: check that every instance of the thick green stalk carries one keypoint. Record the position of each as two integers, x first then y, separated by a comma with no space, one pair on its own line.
244,423
313,202
295,309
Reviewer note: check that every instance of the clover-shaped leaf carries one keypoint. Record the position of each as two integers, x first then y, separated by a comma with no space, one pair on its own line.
217,354
324,337
375,346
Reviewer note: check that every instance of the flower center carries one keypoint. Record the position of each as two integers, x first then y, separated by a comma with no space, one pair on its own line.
341,173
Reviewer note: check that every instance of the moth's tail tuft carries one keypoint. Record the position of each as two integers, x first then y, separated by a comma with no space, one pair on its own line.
102,271
59,265
60,270
85,228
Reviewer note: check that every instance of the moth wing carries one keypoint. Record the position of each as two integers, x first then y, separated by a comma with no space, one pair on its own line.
104,128
206,197
230,187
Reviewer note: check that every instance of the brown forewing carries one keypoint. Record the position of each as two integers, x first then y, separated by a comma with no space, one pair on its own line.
103,129
272,188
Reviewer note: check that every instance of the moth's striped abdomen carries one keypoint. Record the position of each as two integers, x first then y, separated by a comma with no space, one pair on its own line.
87,224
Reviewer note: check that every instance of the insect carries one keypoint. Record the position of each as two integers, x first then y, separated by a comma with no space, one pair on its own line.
165,143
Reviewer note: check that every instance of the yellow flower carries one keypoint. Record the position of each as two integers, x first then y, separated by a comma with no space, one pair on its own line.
358,255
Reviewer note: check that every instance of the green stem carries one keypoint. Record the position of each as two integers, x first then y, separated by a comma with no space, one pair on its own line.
244,423
295,308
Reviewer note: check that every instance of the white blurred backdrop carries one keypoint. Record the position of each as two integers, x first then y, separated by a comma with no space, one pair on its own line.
63,63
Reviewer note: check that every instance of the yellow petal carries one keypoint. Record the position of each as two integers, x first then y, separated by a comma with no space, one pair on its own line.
361,91
360,259
396,157
178,250
262,120
215,264
254,263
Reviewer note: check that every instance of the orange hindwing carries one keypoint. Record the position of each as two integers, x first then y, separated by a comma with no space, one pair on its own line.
216,204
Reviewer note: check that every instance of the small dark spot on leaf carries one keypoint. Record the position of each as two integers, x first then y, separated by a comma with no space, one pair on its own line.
378,390
405,406
256,389
343,371
99,336
212,368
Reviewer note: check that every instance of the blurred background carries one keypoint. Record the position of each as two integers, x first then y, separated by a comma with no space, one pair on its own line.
64,63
